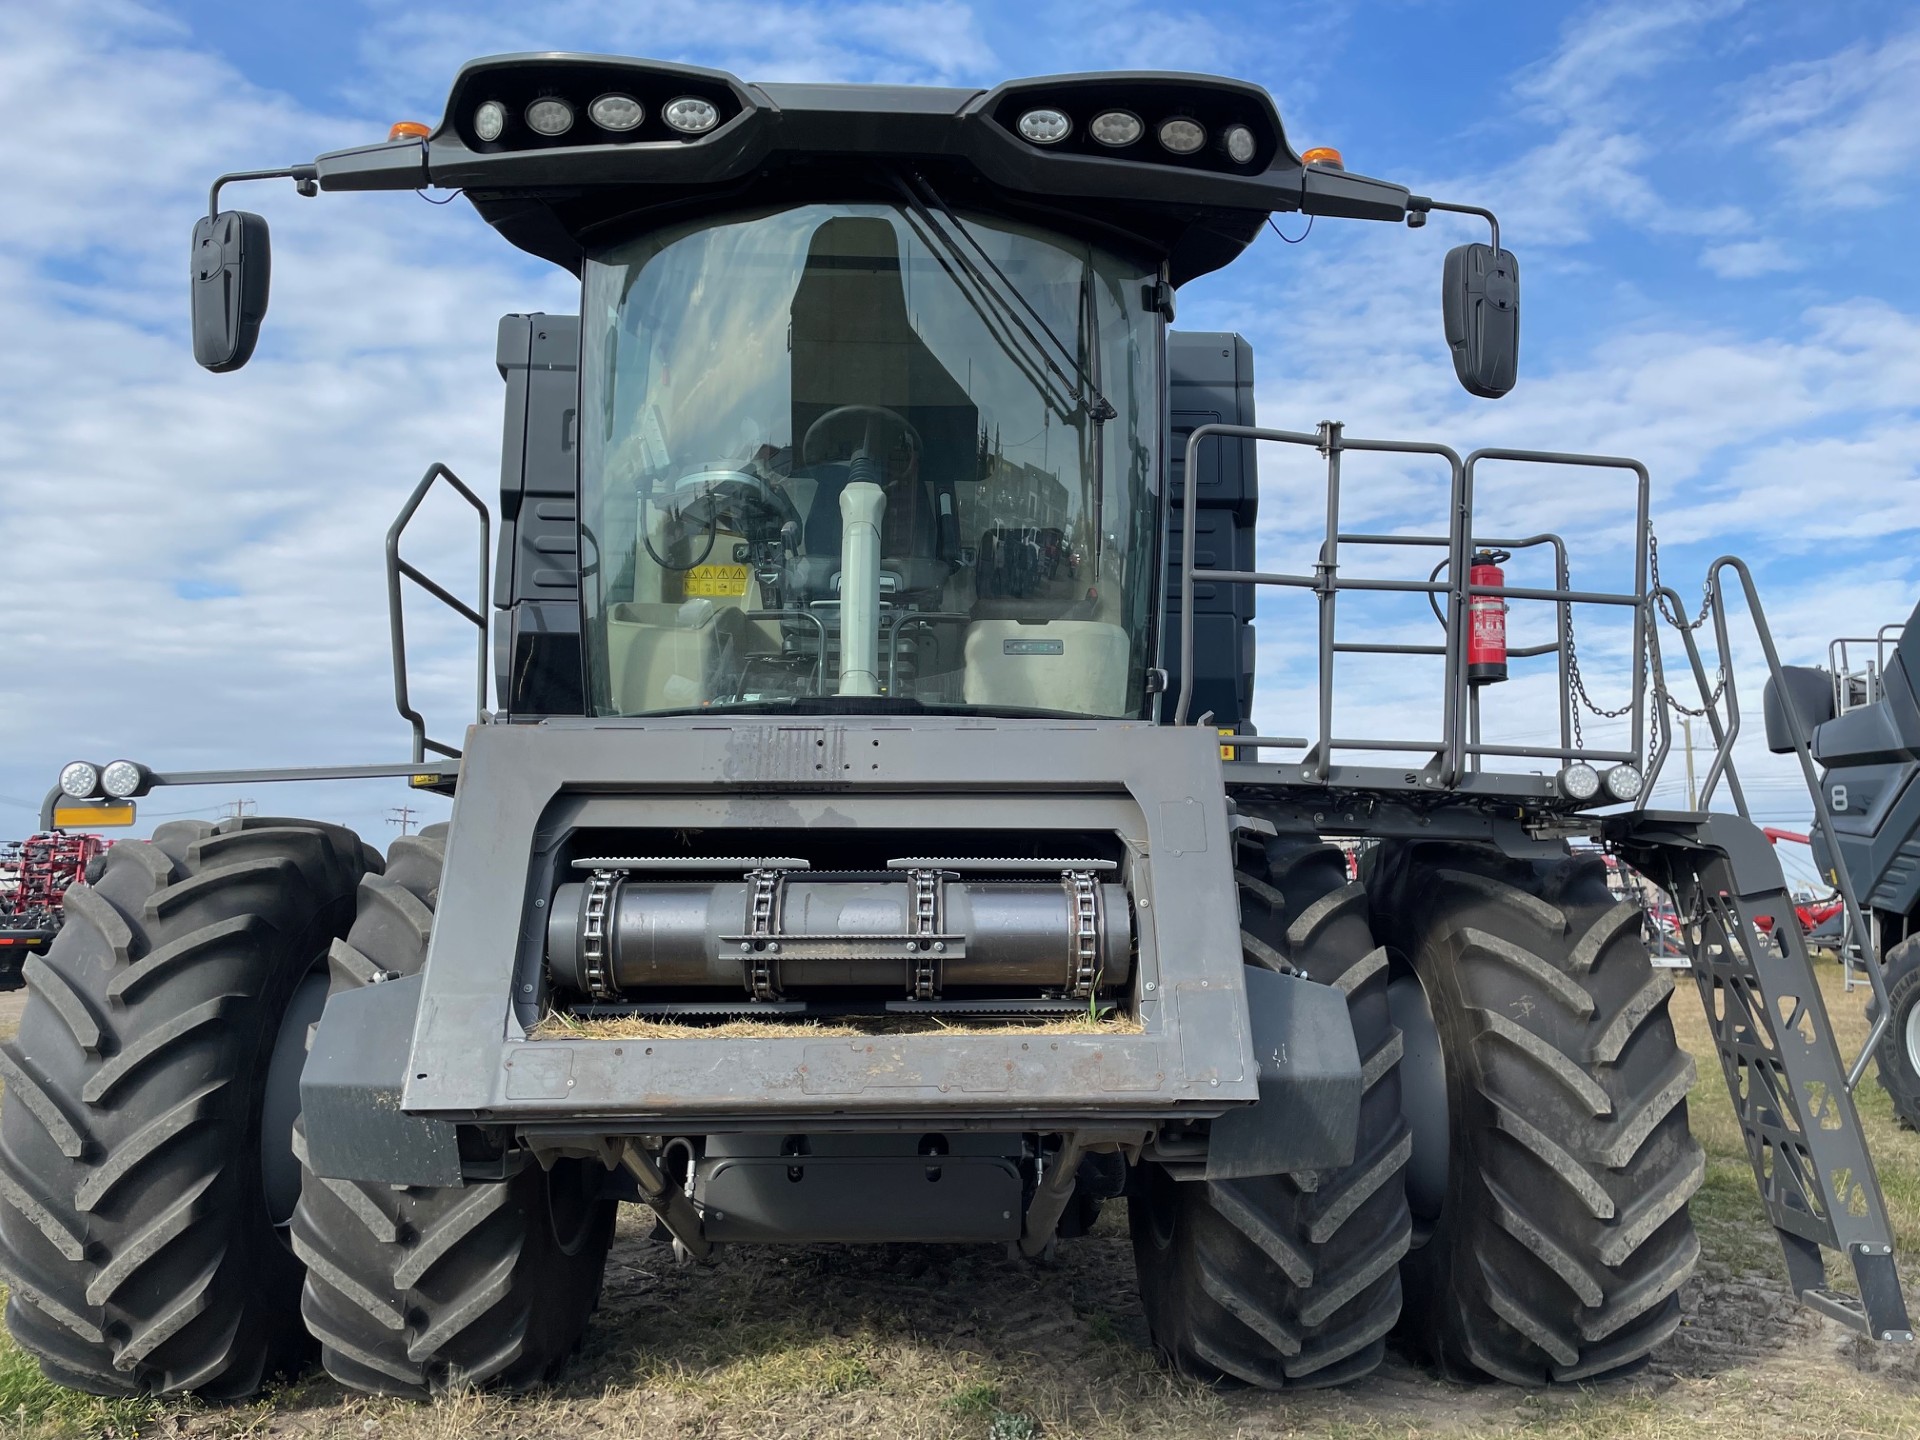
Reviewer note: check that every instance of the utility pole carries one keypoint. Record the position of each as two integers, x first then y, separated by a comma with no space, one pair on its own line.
402,815
234,809
1686,729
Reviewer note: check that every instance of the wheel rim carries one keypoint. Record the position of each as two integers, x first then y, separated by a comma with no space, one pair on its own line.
1913,1037
280,1106
1423,1100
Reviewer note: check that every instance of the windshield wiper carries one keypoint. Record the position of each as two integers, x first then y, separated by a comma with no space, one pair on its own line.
1099,408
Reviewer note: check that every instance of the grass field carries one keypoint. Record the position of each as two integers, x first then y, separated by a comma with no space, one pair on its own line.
934,1342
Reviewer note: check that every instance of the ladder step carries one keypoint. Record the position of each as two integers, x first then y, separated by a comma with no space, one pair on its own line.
1783,1066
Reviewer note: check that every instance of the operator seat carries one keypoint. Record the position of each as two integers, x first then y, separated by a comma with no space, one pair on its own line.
854,344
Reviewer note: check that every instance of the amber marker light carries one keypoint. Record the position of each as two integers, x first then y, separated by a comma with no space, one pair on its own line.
409,130
1323,155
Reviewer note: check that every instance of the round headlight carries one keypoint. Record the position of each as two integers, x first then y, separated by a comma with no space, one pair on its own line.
1623,782
123,779
1182,136
1045,127
1580,781
1116,128
691,115
1239,143
617,112
490,121
550,117
81,780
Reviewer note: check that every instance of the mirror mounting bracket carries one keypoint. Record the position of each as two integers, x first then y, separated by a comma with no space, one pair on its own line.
1419,205
306,180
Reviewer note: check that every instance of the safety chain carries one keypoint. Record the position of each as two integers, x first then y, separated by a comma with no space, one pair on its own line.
1706,588
760,946
1706,608
926,924
593,935
1084,894
1578,681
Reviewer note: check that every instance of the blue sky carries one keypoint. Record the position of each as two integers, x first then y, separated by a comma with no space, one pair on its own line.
1713,204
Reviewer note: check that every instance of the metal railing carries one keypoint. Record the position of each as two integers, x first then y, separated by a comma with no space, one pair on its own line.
1720,704
1853,689
1460,746
396,612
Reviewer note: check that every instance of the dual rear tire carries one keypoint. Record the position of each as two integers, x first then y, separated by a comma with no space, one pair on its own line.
151,1159
1524,1116
412,1290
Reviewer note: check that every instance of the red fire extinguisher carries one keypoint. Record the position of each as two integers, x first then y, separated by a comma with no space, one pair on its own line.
1487,632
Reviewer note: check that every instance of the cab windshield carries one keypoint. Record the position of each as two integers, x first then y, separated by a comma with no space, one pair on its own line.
828,452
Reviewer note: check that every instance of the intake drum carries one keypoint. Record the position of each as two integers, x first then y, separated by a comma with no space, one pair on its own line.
919,935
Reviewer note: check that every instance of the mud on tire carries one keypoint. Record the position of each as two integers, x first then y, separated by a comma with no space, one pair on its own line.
1290,1280
415,1290
1561,1236
135,1229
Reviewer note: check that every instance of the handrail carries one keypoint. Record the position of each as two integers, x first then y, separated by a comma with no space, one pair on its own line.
1724,737
396,613
1459,745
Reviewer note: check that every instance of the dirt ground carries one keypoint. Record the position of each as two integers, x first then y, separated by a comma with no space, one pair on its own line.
945,1342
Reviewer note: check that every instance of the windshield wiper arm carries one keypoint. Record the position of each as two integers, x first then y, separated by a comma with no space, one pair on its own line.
1052,384
1099,408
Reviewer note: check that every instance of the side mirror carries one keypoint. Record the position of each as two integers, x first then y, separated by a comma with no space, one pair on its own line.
232,262
1480,301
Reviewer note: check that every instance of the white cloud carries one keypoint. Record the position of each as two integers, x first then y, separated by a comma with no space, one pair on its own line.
1746,259
1610,44
1847,125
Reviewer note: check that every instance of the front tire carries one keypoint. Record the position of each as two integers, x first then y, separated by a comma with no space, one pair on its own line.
138,1232
1899,1050
1557,1237
415,1290
1290,1281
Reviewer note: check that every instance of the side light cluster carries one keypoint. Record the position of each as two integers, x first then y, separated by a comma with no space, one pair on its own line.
1580,781
551,116
1118,129
118,780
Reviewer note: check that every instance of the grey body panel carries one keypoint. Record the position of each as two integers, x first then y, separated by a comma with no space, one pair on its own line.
524,787
1870,757
350,1094
1309,1111
865,1188
536,638
1210,382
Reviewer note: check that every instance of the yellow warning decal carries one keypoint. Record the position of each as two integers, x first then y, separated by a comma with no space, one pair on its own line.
718,580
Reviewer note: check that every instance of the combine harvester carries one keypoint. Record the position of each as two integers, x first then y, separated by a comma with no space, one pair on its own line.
872,641
1861,718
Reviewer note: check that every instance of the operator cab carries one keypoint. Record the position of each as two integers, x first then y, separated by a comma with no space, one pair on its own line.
757,384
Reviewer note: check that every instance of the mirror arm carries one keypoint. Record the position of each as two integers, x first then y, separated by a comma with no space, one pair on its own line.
306,179
1421,204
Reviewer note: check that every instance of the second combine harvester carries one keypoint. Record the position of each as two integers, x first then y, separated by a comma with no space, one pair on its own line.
873,601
